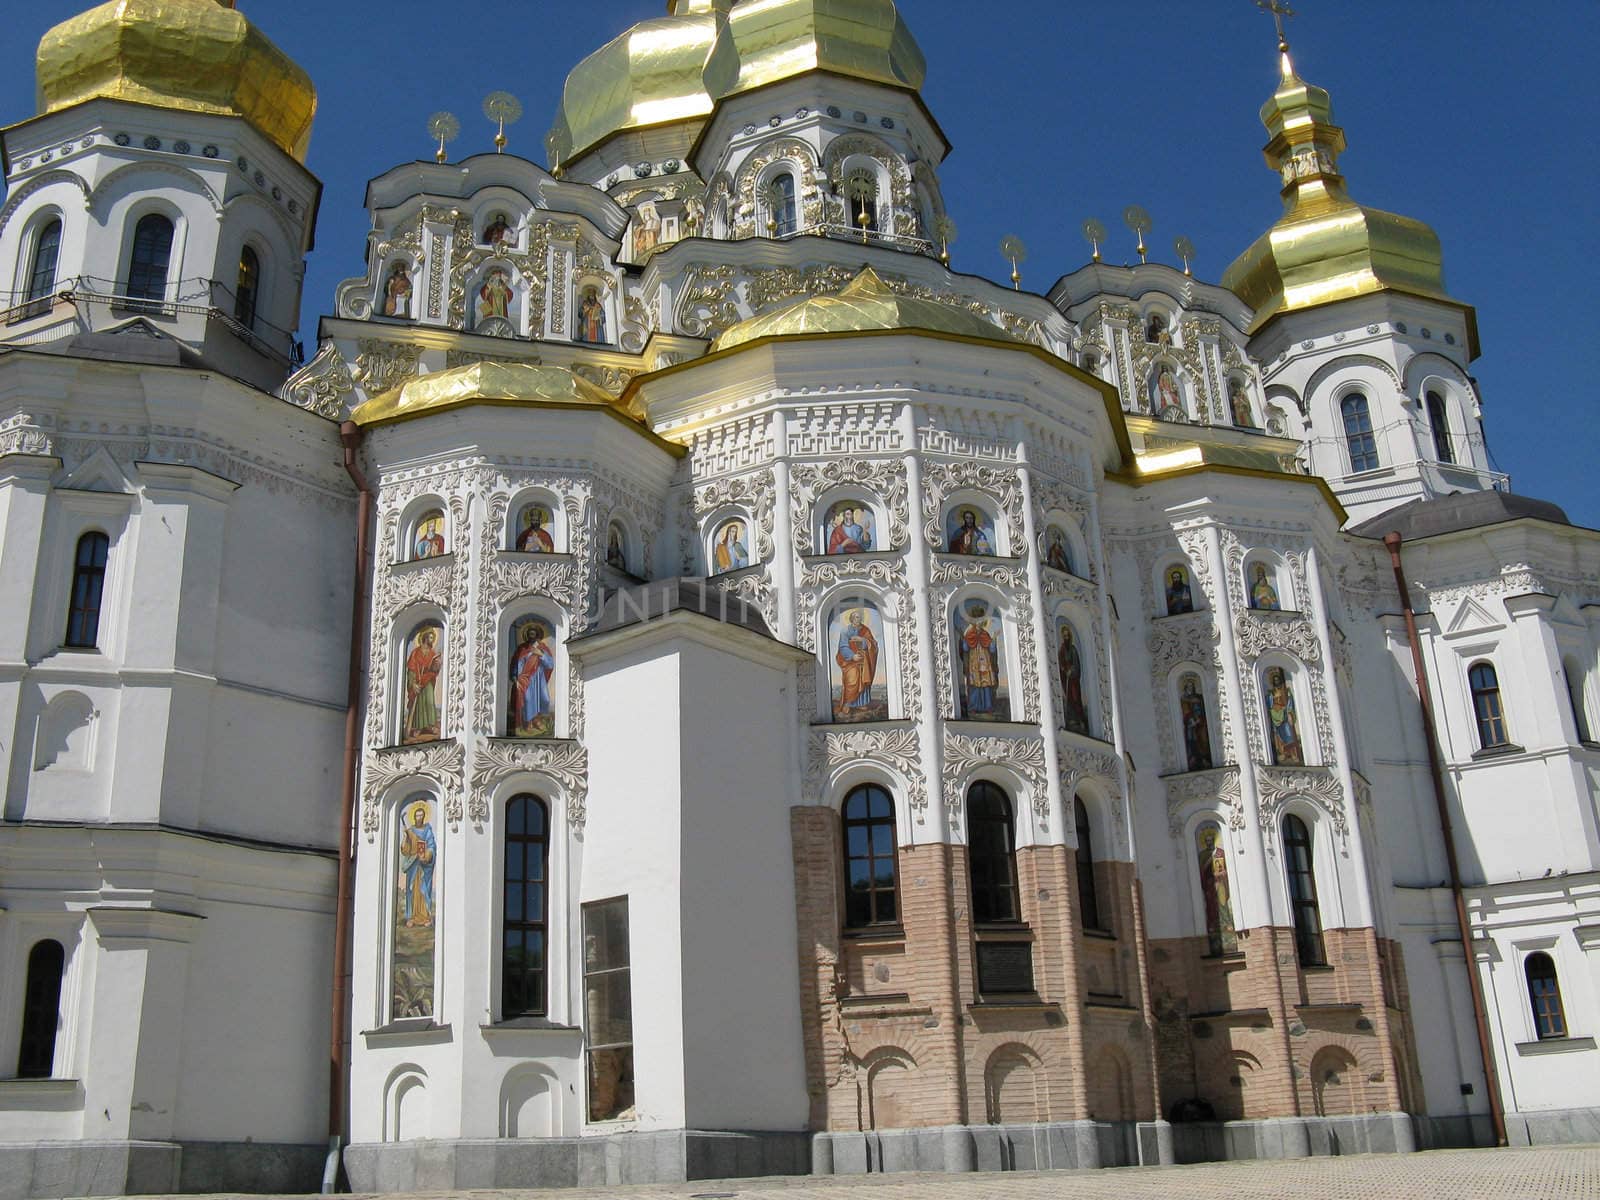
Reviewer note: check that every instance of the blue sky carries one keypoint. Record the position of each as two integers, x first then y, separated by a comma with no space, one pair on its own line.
1467,114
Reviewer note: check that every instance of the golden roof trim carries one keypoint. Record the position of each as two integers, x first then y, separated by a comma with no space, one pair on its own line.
531,384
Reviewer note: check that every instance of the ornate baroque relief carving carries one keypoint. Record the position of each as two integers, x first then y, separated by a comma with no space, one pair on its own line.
883,479
1320,785
831,750
322,384
436,763
1023,754
565,762
1219,789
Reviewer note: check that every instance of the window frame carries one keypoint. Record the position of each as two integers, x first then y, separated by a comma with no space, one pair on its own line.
868,792
786,216
247,296
32,292
1488,706
1549,1013
590,991
1362,434
153,292
1438,409
1300,876
999,883
525,842
1089,916
83,617
37,1061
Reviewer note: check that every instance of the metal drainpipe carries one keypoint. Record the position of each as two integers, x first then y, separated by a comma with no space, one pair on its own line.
1436,772
338,1064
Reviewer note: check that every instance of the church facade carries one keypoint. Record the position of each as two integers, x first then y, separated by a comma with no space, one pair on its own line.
682,684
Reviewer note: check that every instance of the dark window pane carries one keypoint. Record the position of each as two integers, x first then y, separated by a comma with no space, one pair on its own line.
88,582
856,840
41,1011
152,252
46,253
522,964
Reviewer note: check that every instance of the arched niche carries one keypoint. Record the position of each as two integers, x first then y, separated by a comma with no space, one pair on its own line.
1213,870
1288,725
972,526
1192,707
538,523
532,669
397,286
1241,406
414,832
982,656
422,654
498,295
1061,545
1167,391
729,542
849,521
594,315
424,530
1177,589
1073,660
1268,584
65,738
855,637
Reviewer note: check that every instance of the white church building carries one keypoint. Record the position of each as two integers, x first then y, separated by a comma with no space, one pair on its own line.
681,684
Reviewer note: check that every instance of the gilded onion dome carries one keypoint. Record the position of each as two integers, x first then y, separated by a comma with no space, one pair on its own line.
190,55
865,303
1325,247
538,386
674,69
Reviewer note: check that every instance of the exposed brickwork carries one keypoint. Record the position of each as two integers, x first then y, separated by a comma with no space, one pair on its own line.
1255,1035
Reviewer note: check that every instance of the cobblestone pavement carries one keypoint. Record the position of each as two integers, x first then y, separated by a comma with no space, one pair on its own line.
1547,1173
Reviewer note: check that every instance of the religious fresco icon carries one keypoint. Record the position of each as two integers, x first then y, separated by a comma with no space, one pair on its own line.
1180,596
533,530
730,548
530,703
616,547
1165,399
858,689
499,231
419,698
1196,727
851,528
1263,594
969,530
1214,889
428,540
1069,667
590,326
396,298
1056,553
980,664
1283,725
416,856
495,299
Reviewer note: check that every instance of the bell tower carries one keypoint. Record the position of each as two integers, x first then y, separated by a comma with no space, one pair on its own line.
163,182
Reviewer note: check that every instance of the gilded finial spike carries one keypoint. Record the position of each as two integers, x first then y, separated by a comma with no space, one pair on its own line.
445,127
1094,232
1136,219
1012,248
1185,249
503,109
1279,11
944,228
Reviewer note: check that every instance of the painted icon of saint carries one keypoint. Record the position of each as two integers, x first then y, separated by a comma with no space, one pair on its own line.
616,555
978,652
1069,666
532,664
1055,554
591,324
1239,401
971,536
1164,394
494,297
418,850
1262,594
856,654
1196,728
1220,933
397,291
850,529
419,718
1283,725
534,538
499,230
646,230
730,552
429,539
1179,598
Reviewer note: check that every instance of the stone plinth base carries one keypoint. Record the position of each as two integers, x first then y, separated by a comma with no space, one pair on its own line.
670,1156
30,1170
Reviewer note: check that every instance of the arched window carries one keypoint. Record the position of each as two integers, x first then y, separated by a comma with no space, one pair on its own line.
1580,711
991,854
1088,897
1439,423
1486,707
522,939
244,298
780,199
41,1011
1544,993
1302,892
1358,437
46,253
88,582
860,193
152,253
869,858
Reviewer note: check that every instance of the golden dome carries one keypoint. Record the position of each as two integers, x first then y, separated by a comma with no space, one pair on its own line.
483,383
675,68
1325,247
865,303
190,55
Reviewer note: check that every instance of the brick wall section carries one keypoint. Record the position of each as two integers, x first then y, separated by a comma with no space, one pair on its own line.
895,1032
1243,1033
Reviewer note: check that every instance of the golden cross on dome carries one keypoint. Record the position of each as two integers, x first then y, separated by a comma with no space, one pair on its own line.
1279,11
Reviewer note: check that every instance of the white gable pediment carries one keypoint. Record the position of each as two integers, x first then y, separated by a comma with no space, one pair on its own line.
97,473
1471,617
